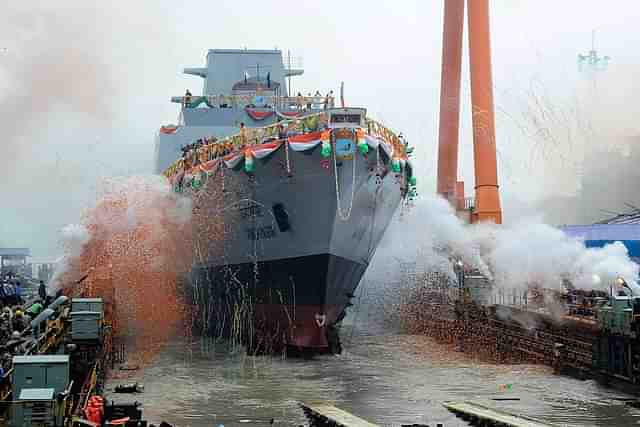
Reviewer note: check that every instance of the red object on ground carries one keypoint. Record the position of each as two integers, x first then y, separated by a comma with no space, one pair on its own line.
119,421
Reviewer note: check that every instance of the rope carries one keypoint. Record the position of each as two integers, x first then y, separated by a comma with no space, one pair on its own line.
343,216
286,151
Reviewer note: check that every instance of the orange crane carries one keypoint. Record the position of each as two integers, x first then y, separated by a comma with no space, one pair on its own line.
487,198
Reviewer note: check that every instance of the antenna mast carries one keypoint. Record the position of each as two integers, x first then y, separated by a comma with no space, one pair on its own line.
289,73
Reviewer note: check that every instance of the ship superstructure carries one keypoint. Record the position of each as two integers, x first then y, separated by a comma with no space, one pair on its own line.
291,198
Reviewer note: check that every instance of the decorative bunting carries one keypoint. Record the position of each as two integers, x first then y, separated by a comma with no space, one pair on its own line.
258,114
325,137
169,129
211,166
232,160
260,142
388,148
362,142
395,165
249,163
372,141
263,150
288,114
305,141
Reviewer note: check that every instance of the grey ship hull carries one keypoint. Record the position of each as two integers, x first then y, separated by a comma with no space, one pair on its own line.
287,274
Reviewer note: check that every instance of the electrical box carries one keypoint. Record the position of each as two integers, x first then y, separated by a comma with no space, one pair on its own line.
86,325
617,317
34,407
50,371
87,304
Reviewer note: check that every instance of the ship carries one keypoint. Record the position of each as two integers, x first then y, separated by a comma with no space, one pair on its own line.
291,197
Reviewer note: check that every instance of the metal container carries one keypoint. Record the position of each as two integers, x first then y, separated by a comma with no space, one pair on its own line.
86,325
34,406
87,304
51,371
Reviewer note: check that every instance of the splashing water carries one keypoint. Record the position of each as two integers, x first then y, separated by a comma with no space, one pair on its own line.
133,247
514,256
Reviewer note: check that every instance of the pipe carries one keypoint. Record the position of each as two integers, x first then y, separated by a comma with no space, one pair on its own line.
450,98
484,136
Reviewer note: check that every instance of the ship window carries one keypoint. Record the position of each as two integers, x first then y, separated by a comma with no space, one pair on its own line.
345,118
282,217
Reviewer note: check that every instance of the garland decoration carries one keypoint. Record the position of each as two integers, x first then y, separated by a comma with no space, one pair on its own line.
363,146
206,155
325,151
249,164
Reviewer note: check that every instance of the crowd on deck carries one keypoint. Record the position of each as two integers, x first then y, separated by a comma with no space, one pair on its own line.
189,151
316,101
16,313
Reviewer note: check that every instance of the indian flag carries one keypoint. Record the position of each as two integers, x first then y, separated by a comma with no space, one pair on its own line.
305,141
232,160
261,151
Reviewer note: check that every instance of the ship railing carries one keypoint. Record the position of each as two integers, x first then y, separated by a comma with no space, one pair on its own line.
469,203
267,101
212,148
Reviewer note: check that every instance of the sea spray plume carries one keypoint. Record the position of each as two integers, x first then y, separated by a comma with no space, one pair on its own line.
530,253
432,227
527,253
139,247
603,266
73,239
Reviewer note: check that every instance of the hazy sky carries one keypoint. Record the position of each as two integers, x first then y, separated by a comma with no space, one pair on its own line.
84,88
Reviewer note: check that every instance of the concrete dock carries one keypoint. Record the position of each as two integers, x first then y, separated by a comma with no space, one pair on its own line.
477,414
326,414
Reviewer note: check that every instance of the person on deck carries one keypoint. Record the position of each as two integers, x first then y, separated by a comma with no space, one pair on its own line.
35,309
187,98
19,321
9,294
42,290
243,135
18,289
3,297
327,100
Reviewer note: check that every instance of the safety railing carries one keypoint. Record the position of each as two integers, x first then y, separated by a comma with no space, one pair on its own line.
269,101
469,203
208,149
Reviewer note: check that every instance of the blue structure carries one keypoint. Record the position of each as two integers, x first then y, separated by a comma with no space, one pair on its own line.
598,235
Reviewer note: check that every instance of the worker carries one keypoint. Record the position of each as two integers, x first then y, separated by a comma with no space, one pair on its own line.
19,321
9,294
18,296
42,290
35,309
243,135
187,98
328,100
